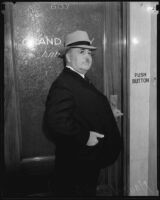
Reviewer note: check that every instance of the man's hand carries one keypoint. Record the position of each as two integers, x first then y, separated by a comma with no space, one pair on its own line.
93,138
117,113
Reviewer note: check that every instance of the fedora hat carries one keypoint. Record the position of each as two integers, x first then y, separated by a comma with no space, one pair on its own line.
79,39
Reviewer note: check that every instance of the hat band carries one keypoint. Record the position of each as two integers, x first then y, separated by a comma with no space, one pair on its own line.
79,43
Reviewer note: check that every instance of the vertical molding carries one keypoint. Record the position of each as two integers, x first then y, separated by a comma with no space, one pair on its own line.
106,91
158,99
19,131
125,93
118,44
152,157
12,126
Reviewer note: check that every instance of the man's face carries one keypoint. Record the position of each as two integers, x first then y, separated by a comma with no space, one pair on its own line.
80,59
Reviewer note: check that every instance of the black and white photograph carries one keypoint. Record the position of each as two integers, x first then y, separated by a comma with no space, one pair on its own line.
80,108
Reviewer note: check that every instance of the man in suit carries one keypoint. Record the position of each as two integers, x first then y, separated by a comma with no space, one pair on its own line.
80,121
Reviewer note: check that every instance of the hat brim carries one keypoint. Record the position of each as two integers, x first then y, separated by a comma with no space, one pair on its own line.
63,51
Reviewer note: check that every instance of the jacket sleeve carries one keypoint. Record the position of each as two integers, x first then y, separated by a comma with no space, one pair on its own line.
59,116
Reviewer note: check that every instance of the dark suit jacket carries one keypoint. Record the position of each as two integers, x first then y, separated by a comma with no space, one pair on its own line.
73,108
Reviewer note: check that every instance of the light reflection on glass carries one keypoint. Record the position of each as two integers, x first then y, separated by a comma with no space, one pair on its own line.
124,41
135,40
29,42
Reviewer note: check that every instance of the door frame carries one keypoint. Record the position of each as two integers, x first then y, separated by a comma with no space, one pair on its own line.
125,103
125,96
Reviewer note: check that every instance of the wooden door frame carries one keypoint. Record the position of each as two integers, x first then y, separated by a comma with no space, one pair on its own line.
126,95
125,13
11,133
158,98
125,104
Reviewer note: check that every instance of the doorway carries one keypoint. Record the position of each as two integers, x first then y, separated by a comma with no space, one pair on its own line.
34,32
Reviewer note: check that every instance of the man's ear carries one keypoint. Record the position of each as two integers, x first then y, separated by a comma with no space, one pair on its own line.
68,59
